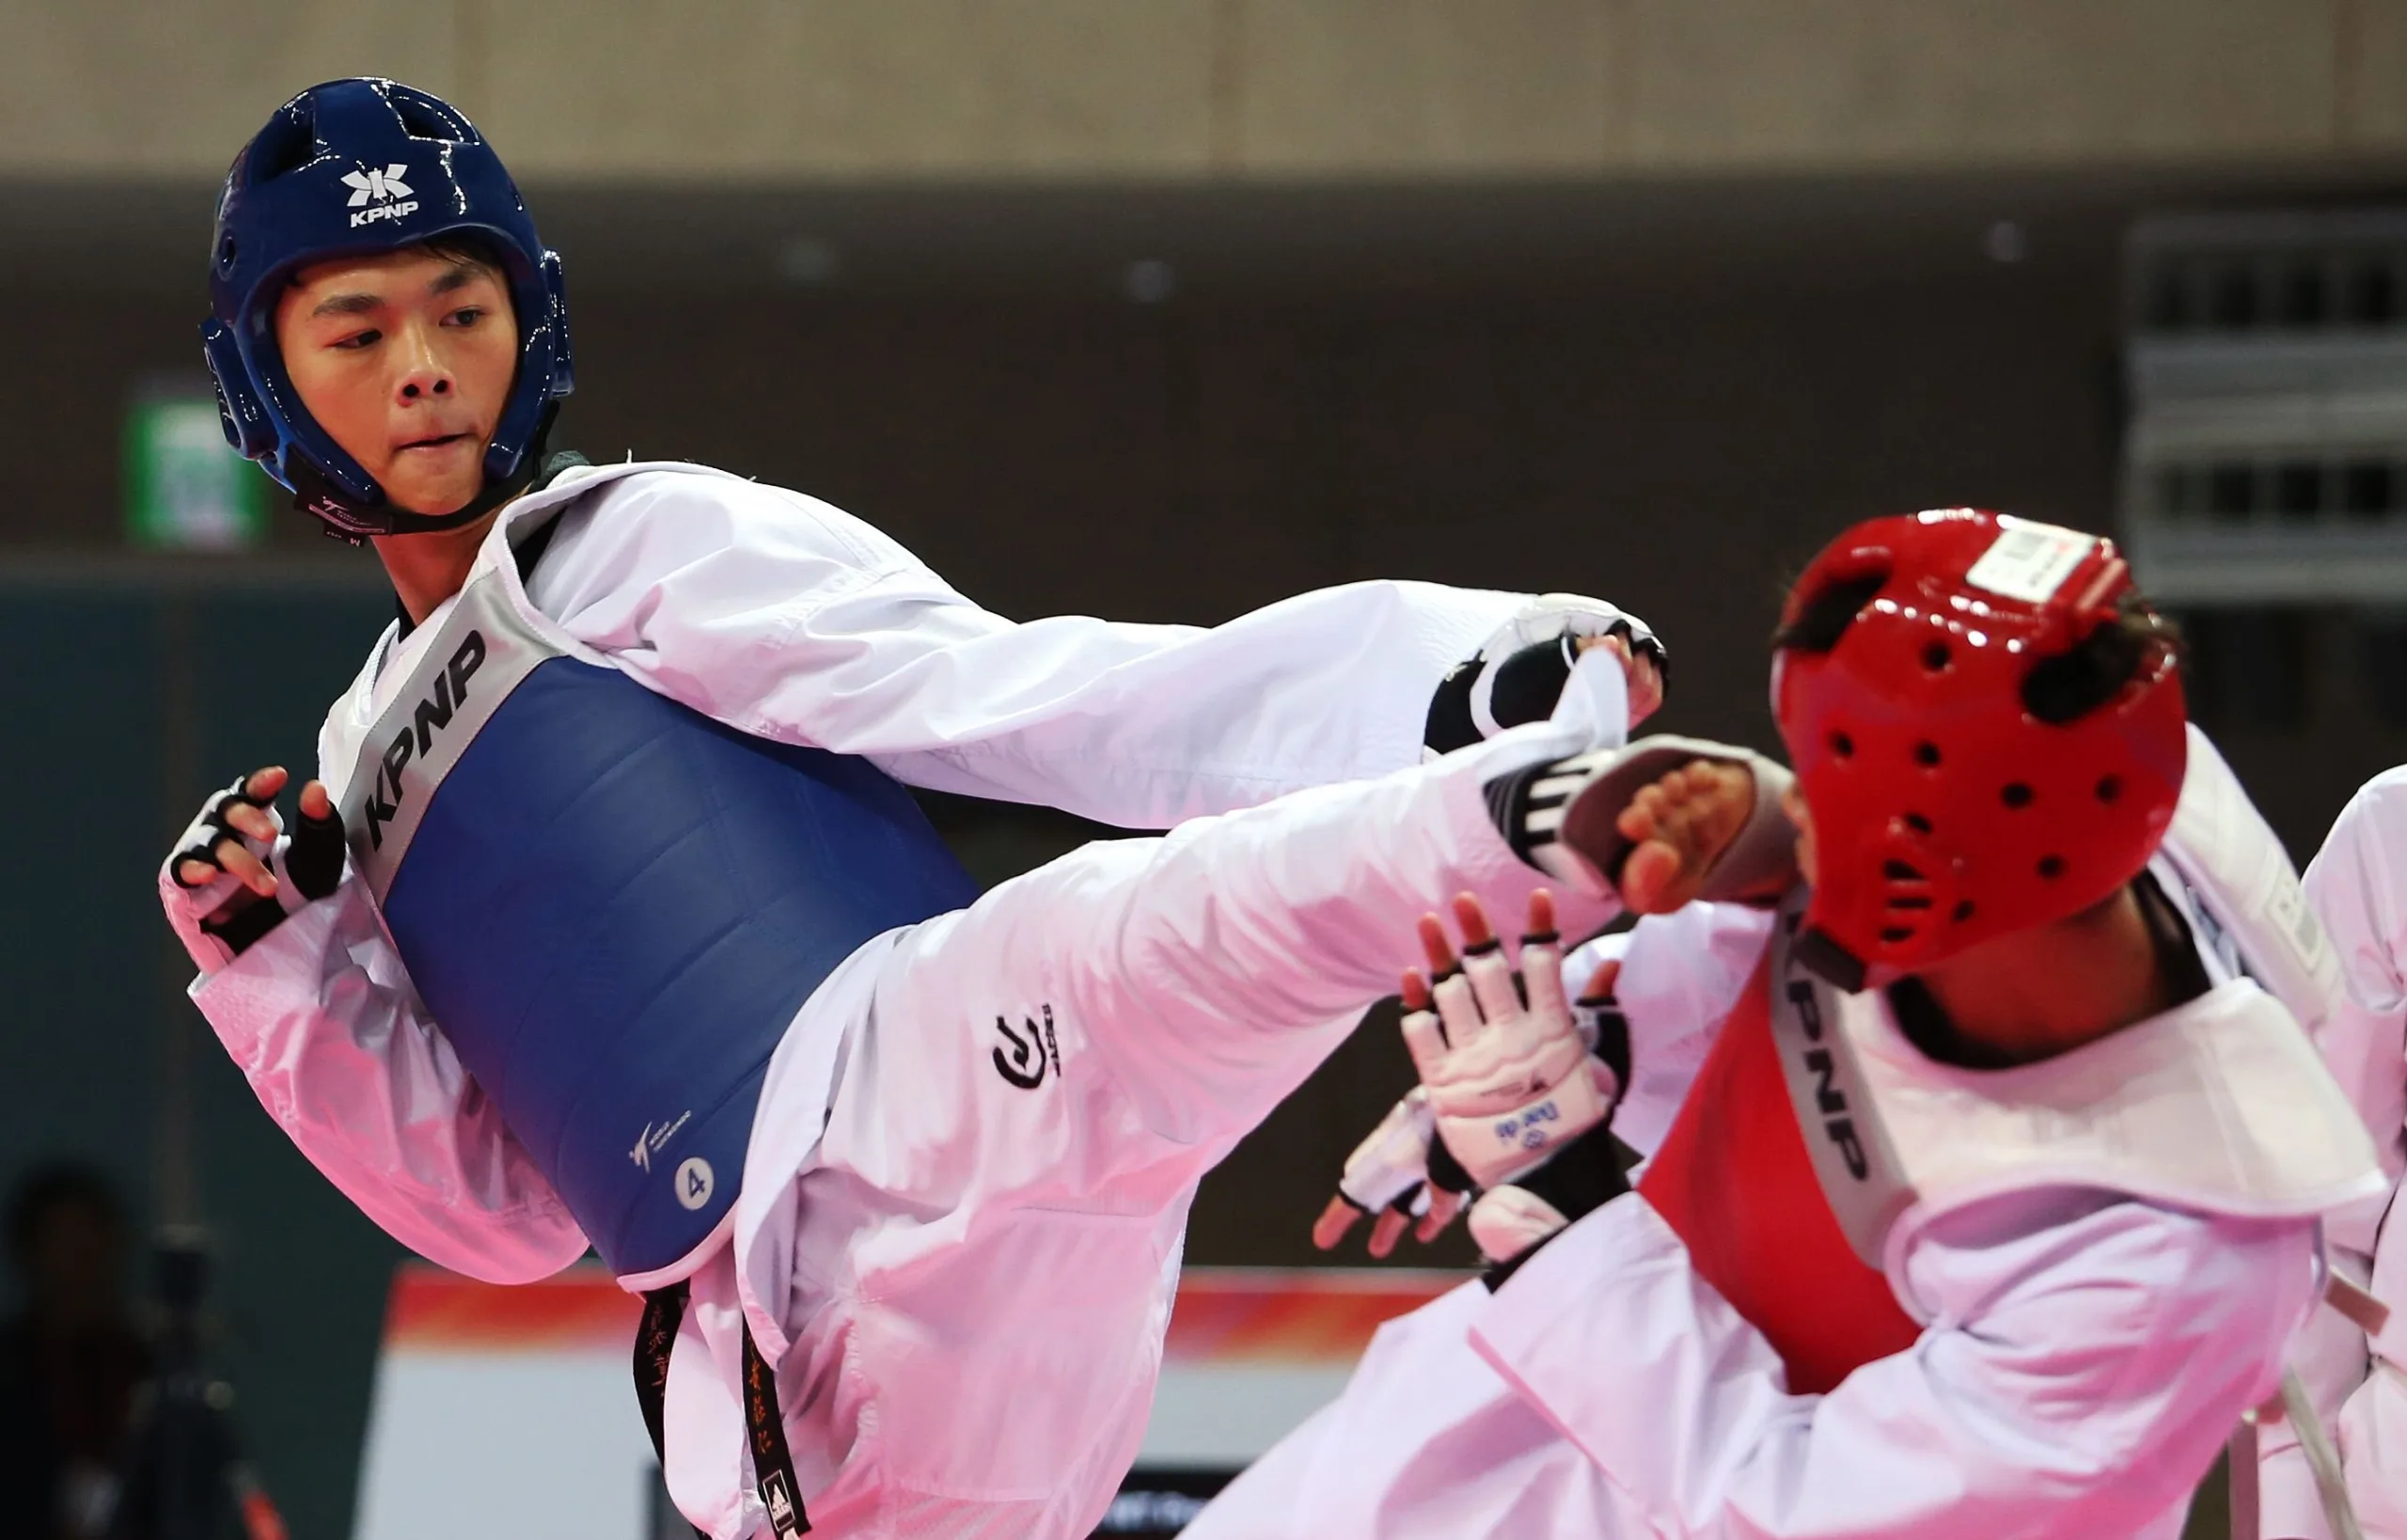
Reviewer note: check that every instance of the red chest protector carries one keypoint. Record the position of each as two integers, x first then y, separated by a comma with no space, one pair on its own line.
1735,1183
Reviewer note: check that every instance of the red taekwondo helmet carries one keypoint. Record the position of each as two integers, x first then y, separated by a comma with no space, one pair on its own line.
1986,727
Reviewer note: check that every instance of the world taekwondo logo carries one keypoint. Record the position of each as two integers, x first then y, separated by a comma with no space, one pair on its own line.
648,1143
378,195
1024,1067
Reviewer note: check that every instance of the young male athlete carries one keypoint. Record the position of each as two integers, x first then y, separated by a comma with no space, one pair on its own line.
2356,1379
1993,1204
610,923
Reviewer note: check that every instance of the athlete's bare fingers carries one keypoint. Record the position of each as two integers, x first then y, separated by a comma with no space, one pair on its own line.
1601,982
1485,969
1434,946
1646,681
1424,1037
1539,925
1470,916
262,785
1334,1222
246,867
1444,1206
1386,1230
251,822
316,801
195,874
1645,688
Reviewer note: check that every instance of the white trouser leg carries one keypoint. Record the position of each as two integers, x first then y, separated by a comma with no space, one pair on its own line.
1213,968
991,1227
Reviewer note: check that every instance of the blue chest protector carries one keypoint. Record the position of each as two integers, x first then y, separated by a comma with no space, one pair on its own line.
613,908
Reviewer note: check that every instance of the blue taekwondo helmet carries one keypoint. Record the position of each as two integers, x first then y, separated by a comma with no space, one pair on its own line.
367,166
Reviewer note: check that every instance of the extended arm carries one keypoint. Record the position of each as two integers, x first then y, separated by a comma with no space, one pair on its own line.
787,619
2086,1359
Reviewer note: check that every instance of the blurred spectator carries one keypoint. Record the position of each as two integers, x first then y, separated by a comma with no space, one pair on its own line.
70,1359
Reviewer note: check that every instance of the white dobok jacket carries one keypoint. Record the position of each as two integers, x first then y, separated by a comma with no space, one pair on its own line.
2084,1351
2357,885
789,619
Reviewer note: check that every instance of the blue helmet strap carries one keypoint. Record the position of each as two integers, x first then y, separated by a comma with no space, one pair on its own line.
342,516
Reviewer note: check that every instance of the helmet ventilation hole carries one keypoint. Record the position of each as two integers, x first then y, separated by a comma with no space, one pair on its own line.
2016,794
1917,822
1935,657
1905,876
1925,753
1843,746
2109,788
1963,910
2052,867
1895,934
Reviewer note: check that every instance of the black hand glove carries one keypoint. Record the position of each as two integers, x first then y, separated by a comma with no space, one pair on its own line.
1518,675
219,917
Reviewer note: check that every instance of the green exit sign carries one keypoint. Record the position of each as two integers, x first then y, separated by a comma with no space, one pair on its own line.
185,489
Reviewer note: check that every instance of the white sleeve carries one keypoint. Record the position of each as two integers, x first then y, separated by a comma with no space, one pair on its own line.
789,619
337,1048
2353,886
2088,1355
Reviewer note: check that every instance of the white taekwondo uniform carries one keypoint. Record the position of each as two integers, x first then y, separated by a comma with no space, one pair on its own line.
961,1270
2357,885
2095,1264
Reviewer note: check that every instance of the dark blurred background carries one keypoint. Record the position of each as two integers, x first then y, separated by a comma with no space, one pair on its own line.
1163,310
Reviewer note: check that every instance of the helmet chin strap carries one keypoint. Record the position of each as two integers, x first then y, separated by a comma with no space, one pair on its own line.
315,494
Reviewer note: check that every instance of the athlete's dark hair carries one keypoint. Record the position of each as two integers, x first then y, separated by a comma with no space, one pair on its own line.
469,249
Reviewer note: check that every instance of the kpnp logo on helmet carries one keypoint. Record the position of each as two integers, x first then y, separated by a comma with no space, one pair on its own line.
384,188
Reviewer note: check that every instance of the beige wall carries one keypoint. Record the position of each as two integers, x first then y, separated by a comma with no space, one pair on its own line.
1179,89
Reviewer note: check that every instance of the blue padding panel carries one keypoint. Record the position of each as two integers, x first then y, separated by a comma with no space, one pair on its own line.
614,907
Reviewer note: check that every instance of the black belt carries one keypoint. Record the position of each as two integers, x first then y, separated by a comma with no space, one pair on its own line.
664,1311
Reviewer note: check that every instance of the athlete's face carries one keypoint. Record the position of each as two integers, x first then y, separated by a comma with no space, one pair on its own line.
405,359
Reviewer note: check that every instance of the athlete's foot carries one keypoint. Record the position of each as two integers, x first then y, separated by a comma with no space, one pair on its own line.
1679,826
